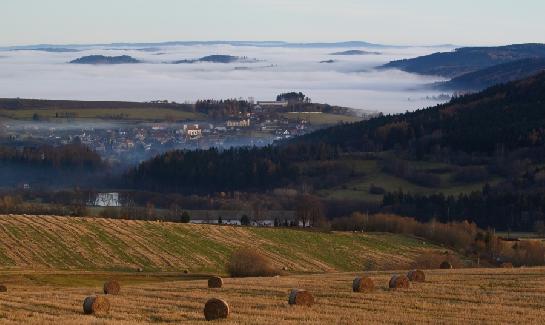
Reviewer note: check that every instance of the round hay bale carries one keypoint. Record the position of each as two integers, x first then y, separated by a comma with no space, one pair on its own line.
215,282
3,288
111,287
96,305
506,265
363,284
446,265
186,271
416,276
216,309
300,297
399,282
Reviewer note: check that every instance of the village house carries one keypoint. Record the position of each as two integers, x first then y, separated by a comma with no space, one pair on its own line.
242,123
265,104
106,200
193,131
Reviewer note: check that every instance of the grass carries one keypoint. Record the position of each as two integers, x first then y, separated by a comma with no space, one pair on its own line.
136,114
322,118
95,244
358,187
466,296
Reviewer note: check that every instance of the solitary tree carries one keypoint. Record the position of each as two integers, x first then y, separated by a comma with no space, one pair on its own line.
244,220
185,218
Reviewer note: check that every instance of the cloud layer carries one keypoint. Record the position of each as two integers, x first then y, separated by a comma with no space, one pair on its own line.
349,81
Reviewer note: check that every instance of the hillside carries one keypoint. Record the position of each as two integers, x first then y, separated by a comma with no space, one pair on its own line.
494,75
479,156
467,59
355,52
510,115
472,296
116,245
19,108
101,59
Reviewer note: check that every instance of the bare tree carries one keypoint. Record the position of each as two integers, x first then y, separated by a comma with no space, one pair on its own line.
309,211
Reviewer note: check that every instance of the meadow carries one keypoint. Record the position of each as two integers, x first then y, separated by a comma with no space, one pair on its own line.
49,265
96,244
130,113
370,173
322,118
464,296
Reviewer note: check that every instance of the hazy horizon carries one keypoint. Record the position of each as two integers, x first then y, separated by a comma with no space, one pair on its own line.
419,22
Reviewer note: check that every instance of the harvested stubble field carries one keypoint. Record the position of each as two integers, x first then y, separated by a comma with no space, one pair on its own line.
465,296
66,243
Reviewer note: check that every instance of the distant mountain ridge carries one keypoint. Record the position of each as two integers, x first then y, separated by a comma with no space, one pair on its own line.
467,59
101,59
49,49
348,44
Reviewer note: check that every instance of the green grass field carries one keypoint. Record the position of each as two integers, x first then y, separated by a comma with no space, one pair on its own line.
136,114
94,244
322,118
370,173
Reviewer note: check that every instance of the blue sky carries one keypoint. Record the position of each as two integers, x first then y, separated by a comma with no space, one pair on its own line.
464,22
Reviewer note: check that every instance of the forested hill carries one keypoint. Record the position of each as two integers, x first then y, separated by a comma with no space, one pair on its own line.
497,74
506,116
502,118
467,59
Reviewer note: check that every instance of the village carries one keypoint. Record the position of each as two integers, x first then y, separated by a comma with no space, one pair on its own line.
130,142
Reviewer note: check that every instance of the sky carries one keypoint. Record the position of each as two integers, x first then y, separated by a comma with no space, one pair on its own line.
402,22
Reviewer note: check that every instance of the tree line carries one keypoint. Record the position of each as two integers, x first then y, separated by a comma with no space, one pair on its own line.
213,170
62,157
497,208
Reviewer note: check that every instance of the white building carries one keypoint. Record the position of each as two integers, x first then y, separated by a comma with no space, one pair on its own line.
272,104
244,123
193,131
107,200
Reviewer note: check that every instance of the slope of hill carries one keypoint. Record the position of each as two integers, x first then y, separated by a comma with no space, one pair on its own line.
19,108
494,75
467,59
511,116
101,59
103,244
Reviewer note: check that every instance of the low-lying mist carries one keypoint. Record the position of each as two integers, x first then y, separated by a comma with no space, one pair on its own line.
350,80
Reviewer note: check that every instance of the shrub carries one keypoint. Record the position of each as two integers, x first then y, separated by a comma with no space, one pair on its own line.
424,179
249,263
376,190
471,174
459,235
244,220
432,260
110,212
185,217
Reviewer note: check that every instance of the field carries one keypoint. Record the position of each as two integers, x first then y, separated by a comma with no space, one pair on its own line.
93,244
465,296
322,118
133,114
370,173
50,264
